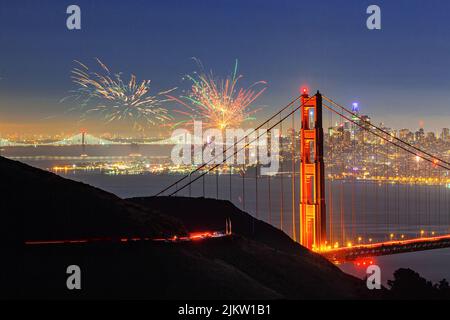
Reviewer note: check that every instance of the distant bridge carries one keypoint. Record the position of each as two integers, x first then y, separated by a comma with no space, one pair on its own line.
86,139
7,143
82,139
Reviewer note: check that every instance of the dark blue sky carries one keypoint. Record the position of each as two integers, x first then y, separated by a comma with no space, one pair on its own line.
399,75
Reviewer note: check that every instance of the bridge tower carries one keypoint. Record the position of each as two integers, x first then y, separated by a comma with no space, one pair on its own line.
312,174
83,143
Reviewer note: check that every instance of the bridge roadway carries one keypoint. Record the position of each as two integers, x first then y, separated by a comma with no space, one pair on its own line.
352,253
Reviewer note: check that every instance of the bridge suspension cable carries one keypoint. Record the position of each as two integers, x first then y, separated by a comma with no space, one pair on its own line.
203,165
391,219
235,152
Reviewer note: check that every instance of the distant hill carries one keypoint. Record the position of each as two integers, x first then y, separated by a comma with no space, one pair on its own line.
257,262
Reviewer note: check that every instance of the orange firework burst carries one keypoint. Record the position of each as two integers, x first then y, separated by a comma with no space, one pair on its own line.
219,103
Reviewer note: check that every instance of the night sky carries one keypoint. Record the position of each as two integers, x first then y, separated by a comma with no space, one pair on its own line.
399,75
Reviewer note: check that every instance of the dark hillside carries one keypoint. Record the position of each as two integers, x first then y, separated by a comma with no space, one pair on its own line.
39,205
257,262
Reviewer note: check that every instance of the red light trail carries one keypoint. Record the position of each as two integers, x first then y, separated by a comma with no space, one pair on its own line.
196,236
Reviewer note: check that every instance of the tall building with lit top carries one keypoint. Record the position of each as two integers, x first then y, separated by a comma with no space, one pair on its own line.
445,134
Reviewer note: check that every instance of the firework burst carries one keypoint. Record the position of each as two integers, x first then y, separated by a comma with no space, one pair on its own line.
219,103
115,99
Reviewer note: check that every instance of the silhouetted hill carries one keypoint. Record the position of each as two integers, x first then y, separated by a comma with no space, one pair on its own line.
39,205
222,268
258,262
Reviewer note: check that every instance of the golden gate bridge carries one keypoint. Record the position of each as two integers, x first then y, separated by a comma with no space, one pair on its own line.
320,218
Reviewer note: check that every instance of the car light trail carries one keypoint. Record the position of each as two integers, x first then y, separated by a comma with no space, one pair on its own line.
196,236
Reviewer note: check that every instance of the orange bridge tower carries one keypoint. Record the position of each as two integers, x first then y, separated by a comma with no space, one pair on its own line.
312,174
